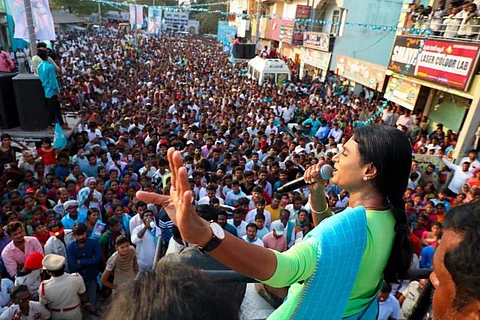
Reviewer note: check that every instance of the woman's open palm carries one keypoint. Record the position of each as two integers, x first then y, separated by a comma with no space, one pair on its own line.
179,205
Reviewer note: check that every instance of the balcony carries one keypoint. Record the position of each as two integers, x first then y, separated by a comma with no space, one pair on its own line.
451,28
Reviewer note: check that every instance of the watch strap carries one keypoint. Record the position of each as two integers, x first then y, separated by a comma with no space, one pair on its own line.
212,245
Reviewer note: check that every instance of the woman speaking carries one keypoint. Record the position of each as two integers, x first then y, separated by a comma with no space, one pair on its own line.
343,261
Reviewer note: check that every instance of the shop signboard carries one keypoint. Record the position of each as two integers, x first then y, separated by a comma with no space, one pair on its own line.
286,33
317,59
402,92
276,28
299,27
316,40
367,74
450,63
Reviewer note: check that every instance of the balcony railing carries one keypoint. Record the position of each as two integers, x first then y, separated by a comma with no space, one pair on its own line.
451,28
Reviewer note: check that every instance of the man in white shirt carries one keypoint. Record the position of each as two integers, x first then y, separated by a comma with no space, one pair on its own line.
137,220
336,133
59,240
22,307
145,238
461,174
472,158
251,236
260,208
388,308
410,296
238,223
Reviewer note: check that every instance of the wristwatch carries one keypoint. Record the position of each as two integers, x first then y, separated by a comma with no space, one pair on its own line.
217,238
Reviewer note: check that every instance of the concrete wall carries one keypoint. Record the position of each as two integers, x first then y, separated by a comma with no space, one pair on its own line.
361,43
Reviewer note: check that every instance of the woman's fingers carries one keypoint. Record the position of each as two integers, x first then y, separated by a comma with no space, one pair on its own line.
182,181
150,197
173,171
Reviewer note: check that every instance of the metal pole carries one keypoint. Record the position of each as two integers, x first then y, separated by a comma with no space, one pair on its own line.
136,8
31,28
99,12
154,3
259,12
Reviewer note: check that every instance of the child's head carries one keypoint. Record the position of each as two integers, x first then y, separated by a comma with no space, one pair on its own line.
113,224
260,220
46,143
408,205
122,245
39,228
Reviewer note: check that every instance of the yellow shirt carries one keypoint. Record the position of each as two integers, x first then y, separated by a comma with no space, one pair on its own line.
275,213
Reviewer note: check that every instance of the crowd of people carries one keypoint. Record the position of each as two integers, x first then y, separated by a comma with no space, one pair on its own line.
75,212
458,19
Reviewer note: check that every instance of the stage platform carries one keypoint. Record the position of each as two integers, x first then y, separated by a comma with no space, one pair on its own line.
18,134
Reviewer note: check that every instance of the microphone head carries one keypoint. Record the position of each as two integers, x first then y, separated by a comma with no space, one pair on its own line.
326,172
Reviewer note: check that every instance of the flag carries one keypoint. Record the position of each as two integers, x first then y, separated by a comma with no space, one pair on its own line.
59,138
232,59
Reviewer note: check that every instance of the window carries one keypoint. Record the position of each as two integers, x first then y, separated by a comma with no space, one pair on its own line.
339,17
335,19
282,78
269,78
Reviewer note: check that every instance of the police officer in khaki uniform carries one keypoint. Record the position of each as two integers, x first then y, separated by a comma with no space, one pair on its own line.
64,292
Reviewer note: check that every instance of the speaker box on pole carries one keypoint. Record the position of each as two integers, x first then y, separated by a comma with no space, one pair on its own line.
239,51
8,104
250,51
32,111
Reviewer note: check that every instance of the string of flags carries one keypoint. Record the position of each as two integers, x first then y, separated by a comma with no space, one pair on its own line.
202,8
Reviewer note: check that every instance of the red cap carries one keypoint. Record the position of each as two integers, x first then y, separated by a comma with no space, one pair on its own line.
34,261
30,190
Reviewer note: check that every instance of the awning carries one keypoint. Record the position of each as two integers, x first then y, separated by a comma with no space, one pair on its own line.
75,27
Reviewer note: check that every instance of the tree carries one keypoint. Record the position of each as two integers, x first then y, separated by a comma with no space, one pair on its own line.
209,21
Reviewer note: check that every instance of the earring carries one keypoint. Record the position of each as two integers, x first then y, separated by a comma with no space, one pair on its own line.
365,178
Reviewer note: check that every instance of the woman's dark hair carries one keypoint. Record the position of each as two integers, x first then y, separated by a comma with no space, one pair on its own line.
37,208
389,150
91,211
5,136
172,291
463,261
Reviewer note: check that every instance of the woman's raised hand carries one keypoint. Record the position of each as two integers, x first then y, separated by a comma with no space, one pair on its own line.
179,205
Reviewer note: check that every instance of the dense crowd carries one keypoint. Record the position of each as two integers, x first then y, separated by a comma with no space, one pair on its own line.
137,99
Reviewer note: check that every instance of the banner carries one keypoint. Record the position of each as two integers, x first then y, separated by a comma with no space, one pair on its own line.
276,27
42,19
317,40
136,10
226,34
402,92
286,33
445,62
299,27
154,20
367,74
425,159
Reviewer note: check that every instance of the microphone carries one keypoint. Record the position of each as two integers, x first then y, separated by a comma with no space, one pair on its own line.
326,172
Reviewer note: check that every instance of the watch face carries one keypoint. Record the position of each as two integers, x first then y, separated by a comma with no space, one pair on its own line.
218,231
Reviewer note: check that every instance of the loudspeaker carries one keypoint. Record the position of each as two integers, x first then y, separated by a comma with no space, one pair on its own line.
251,51
32,111
239,51
244,51
8,104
